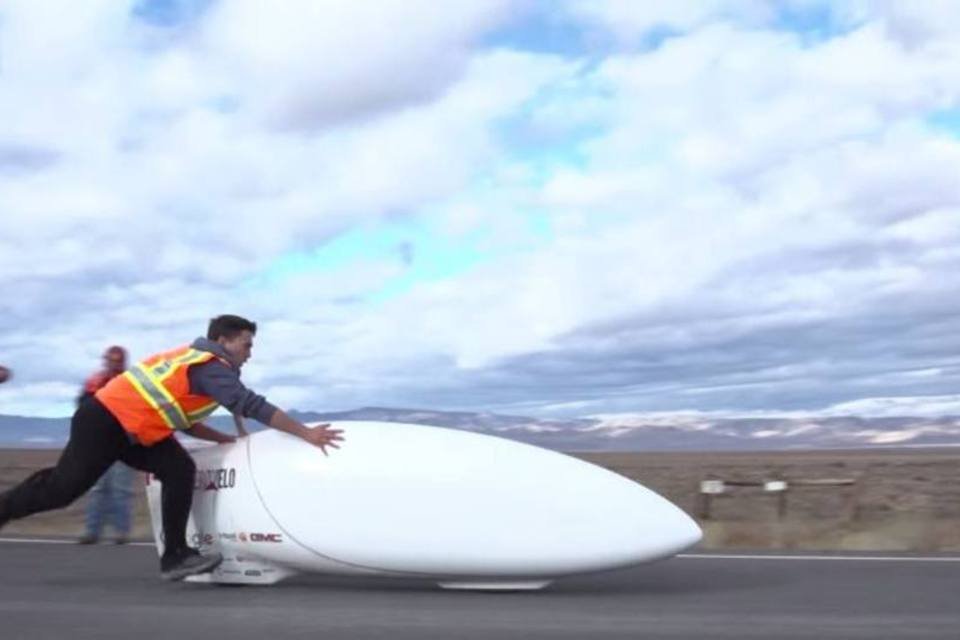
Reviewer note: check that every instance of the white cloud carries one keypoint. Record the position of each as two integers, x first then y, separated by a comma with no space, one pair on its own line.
885,407
161,204
932,23
46,399
925,406
804,162
735,180
308,65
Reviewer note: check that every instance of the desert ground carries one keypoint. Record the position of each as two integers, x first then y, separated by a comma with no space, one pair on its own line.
899,499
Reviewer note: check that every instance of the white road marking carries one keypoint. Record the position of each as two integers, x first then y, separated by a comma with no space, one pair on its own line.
68,541
683,556
745,556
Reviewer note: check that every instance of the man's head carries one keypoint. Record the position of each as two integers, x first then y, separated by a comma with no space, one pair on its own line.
115,359
5,374
235,335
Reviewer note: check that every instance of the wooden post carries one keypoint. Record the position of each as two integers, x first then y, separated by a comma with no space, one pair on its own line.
778,487
708,489
704,506
853,498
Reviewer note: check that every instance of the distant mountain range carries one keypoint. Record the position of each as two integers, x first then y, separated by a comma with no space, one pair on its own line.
637,432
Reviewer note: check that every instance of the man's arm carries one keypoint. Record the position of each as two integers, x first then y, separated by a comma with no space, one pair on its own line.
222,383
238,421
203,432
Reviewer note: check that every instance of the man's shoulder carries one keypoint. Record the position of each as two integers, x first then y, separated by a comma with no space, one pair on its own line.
214,366
95,381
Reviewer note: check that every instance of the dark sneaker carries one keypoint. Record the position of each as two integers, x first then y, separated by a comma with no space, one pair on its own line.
87,538
187,562
121,540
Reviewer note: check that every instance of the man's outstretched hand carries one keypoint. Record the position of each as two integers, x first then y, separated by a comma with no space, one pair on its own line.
323,436
320,436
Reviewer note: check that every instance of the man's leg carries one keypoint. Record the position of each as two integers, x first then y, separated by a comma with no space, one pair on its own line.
175,469
96,439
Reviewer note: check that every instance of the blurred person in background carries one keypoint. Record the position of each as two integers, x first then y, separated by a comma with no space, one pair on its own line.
109,501
5,374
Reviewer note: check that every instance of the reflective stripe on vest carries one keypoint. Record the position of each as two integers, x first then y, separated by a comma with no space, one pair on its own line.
202,413
165,369
148,381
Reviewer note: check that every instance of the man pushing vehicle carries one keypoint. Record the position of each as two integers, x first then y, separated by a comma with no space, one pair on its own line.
133,419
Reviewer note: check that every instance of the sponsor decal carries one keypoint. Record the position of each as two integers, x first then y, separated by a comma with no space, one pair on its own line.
215,479
261,537
251,572
266,537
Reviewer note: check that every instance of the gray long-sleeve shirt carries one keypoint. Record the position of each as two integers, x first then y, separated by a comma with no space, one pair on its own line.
222,383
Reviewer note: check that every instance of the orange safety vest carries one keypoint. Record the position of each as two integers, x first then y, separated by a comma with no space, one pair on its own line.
152,398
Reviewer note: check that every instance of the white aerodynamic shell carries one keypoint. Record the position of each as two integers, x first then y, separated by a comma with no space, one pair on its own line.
465,509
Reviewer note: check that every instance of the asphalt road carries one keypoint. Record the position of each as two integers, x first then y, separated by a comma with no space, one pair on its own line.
105,592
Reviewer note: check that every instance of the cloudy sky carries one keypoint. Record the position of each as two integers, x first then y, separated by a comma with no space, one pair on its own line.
547,208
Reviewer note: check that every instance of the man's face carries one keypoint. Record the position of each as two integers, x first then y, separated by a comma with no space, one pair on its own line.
238,347
114,362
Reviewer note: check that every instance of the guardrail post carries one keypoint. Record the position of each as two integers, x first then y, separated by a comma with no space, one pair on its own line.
778,487
709,489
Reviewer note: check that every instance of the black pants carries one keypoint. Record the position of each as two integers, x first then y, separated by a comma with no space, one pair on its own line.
97,441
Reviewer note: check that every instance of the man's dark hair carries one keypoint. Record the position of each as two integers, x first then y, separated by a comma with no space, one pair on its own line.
229,326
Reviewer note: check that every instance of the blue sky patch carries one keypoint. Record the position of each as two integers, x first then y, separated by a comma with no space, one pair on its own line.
946,120
542,31
813,22
422,253
170,13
